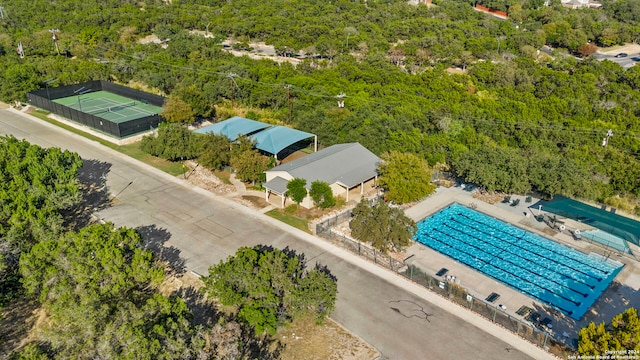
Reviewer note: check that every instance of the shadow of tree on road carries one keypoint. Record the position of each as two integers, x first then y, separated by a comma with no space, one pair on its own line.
154,239
93,191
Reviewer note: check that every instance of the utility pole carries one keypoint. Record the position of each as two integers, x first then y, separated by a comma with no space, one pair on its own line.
231,83
340,98
605,141
54,37
288,87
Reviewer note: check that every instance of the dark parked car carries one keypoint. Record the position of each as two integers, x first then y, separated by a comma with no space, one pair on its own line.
621,55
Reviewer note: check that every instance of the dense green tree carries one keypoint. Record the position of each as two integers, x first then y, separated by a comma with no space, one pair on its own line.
216,151
322,194
495,169
99,288
385,227
297,190
405,177
198,100
623,334
174,142
270,287
37,187
176,110
249,165
97,262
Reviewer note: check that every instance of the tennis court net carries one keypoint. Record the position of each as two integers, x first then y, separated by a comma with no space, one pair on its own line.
111,108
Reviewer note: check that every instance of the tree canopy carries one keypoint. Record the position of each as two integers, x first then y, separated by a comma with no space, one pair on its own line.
405,177
296,190
99,287
623,333
249,165
176,110
173,142
37,188
385,227
269,287
322,194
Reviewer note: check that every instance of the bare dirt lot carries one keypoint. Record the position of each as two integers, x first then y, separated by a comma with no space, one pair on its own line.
628,48
303,339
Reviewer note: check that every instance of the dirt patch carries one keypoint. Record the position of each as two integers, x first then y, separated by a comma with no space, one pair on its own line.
205,179
17,324
489,197
4,105
455,70
306,340
255,202
294,156
627,48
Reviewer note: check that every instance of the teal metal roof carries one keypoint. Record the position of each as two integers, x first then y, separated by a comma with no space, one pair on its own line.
617,225
234,127
275,139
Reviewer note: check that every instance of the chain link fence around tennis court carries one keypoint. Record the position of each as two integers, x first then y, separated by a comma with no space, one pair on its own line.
43,99
527,330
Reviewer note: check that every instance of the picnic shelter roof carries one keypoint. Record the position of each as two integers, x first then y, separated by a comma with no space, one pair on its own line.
277,138
234,127
621,226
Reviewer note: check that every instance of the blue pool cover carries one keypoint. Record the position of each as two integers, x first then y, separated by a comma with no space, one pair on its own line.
554,274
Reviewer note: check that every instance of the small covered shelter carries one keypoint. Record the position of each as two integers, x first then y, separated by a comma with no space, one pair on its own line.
614,225
275,139
234,127
342,166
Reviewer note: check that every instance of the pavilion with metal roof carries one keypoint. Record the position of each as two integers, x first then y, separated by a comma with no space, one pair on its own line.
268,138
277,138
234,127
342,166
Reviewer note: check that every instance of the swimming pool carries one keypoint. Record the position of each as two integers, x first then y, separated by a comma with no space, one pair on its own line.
554,274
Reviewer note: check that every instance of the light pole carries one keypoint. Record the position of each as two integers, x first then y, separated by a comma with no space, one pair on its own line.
54,37
47,83
500,38
79,92
605,141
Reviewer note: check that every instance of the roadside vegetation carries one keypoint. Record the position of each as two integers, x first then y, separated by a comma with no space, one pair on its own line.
98,287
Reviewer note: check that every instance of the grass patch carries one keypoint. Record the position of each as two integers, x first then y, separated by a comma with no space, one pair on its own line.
256,187
131,150
223,175
290,219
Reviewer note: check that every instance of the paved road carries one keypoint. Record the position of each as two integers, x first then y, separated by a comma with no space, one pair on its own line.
626,62
402,320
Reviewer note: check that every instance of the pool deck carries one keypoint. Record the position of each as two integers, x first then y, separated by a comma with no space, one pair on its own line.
620,295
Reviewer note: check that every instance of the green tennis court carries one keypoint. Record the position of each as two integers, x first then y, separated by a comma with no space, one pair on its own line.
109,106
